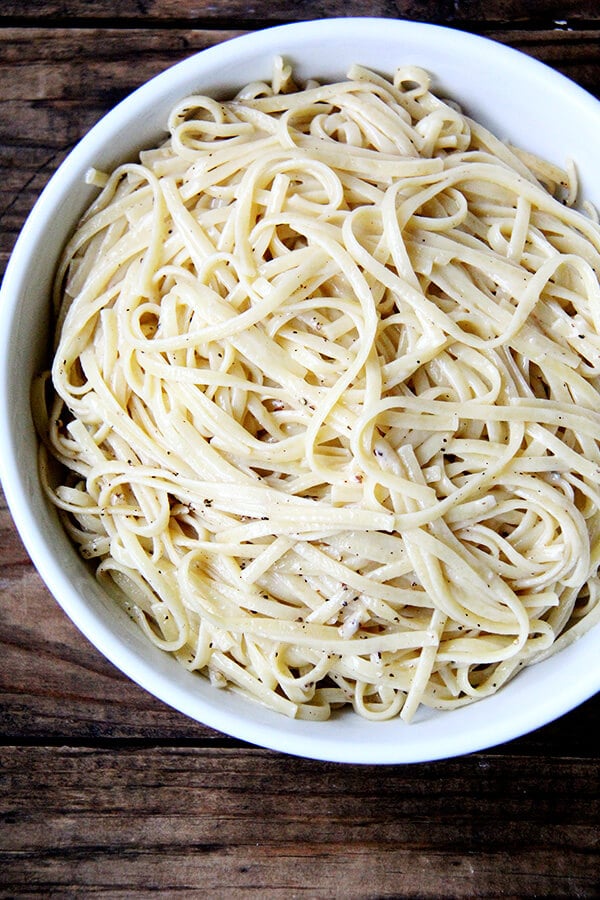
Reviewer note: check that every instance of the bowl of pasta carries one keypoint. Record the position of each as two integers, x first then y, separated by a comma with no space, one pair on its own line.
299,401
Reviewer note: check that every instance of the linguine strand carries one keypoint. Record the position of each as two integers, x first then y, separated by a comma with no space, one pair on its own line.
323,408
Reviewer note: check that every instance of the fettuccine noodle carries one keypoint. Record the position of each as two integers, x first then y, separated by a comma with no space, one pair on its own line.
324,409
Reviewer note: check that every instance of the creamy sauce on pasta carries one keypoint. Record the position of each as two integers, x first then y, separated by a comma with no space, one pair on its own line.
325,397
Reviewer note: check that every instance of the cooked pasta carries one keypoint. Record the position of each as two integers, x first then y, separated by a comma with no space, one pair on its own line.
324,406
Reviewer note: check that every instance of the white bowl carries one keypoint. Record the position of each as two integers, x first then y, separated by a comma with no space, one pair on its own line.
520,99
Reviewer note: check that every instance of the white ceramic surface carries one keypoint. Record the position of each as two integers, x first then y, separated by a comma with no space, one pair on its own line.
519,98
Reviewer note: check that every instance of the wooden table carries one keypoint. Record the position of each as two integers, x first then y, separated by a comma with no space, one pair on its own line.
105,790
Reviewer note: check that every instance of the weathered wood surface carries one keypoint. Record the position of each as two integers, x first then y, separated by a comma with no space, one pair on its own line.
104,790
172,12
221,822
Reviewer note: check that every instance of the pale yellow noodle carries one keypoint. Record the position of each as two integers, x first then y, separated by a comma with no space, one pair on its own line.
324,405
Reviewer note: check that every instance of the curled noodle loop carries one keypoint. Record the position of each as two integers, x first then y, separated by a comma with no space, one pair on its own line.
325,397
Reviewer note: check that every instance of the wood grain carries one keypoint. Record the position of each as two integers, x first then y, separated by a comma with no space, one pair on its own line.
170,13
219,821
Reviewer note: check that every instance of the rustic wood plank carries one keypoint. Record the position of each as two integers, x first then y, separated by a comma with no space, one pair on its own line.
575,54
175,819
517,12
169,12
85,821
172,12
65,63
